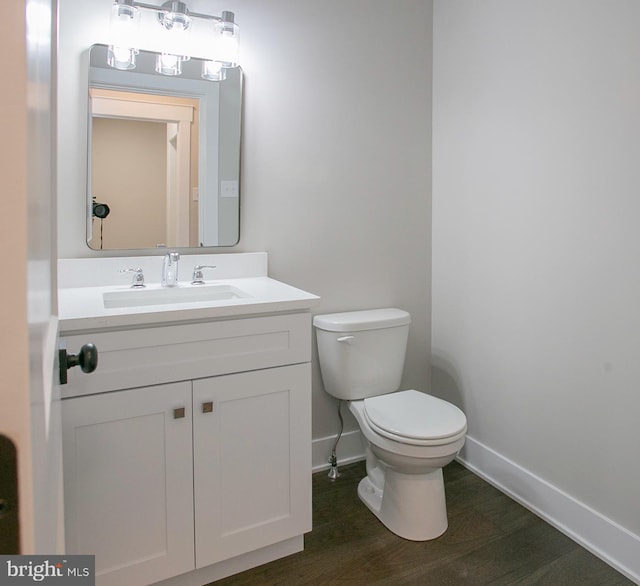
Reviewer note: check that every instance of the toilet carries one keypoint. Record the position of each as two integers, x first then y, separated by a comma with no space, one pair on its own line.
409,435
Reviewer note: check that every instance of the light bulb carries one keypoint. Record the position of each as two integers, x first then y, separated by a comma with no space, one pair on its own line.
227,41
121,57
168,64
175,16
213,71
124,25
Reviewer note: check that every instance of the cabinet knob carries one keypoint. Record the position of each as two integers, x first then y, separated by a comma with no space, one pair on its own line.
178,413
86,359
207,407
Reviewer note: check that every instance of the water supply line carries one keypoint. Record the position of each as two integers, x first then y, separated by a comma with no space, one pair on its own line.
333,460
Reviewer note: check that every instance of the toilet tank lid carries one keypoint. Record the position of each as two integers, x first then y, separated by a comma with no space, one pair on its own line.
369,319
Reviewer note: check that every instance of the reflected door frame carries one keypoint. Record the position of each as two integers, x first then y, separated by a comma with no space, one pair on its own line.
178,114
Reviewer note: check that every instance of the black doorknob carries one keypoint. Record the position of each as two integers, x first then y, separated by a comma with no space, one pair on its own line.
86,359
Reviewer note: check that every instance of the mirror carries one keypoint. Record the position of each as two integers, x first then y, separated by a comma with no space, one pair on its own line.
164,156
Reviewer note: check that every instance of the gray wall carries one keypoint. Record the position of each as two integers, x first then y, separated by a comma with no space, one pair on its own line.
536,247
336,169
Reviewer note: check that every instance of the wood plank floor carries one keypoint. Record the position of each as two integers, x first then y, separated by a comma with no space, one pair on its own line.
491,540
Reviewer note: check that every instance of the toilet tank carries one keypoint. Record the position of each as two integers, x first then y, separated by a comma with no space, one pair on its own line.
362,352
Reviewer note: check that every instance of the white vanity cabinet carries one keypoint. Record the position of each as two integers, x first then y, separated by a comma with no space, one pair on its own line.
198,429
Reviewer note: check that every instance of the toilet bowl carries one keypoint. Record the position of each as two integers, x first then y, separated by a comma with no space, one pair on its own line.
406,468
409,435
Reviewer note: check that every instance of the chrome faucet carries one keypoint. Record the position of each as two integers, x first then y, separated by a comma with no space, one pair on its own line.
170,269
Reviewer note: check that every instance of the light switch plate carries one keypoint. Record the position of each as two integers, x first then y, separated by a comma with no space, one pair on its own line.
228,189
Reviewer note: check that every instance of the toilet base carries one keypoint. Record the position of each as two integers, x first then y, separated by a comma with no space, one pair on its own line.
412,506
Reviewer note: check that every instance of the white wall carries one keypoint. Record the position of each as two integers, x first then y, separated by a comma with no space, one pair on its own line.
336,170
536,246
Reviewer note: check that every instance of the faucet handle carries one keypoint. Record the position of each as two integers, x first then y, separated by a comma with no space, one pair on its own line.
138,277
198,277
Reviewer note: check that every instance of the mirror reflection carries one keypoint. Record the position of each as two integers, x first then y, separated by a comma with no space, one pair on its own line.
164,156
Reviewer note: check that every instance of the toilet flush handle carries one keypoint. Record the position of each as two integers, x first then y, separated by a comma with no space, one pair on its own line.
347,339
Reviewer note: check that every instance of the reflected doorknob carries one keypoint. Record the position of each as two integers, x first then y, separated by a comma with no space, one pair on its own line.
86,359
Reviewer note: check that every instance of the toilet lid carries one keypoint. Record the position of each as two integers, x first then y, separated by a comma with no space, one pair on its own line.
414,417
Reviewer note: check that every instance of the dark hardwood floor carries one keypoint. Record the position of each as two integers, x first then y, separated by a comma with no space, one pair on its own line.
491,540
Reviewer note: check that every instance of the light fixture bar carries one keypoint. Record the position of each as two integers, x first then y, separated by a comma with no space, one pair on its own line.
157,8
221,48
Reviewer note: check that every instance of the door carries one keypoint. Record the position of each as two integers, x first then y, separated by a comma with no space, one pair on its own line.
128,482
252,460
29,413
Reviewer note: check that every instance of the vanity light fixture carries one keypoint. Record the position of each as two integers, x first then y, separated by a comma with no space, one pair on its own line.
174,35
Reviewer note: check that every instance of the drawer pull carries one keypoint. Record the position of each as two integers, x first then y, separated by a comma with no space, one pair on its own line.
207,407
178,413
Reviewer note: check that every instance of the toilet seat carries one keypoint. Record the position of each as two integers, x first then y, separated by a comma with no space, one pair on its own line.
415,418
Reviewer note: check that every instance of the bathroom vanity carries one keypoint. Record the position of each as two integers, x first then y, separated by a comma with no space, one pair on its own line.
187,453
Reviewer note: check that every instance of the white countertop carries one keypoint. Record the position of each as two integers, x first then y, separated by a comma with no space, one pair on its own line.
81,305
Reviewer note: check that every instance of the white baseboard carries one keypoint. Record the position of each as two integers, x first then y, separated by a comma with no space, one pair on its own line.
350,449
601,536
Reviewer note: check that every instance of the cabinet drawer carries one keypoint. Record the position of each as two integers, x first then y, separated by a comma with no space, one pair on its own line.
143,357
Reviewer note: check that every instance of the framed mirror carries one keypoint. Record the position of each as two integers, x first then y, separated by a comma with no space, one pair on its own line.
163,156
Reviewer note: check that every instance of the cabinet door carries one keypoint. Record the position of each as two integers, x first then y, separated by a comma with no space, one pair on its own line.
252,460
128,482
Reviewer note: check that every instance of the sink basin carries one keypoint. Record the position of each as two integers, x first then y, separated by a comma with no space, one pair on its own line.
170,295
